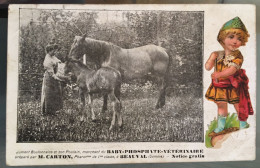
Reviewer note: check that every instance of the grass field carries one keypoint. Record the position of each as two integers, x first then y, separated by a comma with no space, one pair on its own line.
180,120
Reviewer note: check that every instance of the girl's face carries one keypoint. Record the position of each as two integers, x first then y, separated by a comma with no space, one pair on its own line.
232,42
52,52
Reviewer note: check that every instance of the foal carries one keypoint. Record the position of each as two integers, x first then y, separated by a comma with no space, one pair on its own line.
105,80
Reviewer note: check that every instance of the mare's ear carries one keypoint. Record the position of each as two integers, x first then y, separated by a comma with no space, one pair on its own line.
83,38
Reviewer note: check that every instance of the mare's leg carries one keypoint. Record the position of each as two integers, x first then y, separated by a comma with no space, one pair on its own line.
104,103
162,88
82,99
90,104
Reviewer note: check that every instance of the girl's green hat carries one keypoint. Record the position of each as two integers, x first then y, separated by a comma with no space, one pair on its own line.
235,23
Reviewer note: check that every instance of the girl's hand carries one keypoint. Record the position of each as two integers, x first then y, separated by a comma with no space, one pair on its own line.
215,75
56,77
67,79
225,73
211,61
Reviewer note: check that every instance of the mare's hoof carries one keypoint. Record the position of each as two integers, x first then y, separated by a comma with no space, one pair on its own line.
121,127
120,123
104,110
111,128
159,105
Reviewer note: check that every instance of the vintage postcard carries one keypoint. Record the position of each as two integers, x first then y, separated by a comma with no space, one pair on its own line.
114,84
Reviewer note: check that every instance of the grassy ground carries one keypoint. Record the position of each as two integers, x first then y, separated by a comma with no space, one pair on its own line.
231,121
180,120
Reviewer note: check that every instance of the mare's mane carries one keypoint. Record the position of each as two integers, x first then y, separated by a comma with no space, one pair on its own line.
99,44
99,50
96,44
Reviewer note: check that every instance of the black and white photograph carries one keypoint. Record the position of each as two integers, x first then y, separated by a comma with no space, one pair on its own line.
110,75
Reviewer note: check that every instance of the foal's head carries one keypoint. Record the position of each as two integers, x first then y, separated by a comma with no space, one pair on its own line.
74,66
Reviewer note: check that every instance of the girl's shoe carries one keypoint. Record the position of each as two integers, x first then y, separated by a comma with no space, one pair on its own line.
221,124
243,125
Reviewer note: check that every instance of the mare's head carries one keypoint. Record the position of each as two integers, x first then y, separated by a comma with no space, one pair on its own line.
77,48
96,51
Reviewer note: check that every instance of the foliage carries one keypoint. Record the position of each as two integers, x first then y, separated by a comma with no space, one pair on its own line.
231,121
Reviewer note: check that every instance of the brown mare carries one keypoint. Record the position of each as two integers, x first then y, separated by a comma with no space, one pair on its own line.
131,63
105,80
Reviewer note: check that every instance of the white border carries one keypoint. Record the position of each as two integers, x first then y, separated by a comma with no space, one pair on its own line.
239,146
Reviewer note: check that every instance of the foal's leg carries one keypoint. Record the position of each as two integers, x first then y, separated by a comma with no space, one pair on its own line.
82,104
118,93
90,104
161,99
116,107
119,114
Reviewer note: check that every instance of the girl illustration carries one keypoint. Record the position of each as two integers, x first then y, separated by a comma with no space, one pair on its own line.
229,81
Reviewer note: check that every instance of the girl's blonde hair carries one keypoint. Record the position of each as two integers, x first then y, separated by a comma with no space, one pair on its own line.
224,33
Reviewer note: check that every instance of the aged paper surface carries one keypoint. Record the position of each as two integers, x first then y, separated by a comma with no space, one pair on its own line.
183,35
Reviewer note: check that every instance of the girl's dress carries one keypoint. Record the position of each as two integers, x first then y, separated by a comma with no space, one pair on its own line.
51,98
222,94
